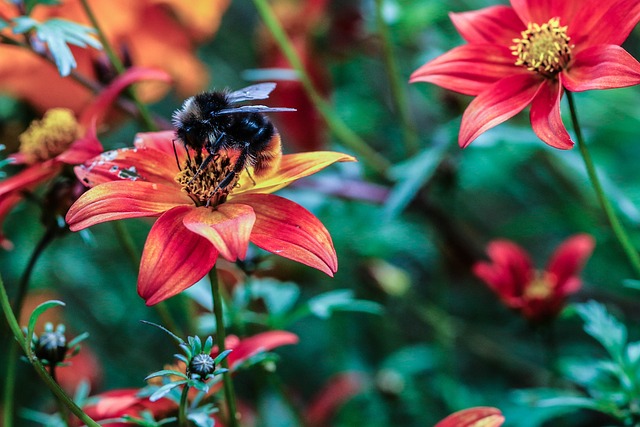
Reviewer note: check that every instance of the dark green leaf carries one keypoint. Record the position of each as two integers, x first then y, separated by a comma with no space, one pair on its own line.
30,4
38,312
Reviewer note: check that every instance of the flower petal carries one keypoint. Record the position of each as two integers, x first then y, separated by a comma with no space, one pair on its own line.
545,116
123,199
287,229
30,177
339,389
130,164
604,22
96,111
227,228
498,103
82,149
161,141
602,67
495,24
469,69
173,258
265,341
541,11
509,271
569,258
292,167
474,417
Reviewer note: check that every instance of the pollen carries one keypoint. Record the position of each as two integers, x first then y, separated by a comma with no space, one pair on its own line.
45,139
545,49
541,287
207,186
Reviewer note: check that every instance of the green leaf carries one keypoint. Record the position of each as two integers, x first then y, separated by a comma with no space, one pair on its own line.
604,328
174,336
411,176
165,389
279,297
164,372
340,300
58,34
77,340
38,312
221,356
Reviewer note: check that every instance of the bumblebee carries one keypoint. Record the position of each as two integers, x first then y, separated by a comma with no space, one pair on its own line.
213,122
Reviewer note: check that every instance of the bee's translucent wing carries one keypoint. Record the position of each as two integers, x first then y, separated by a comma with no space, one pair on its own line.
254,109
249,93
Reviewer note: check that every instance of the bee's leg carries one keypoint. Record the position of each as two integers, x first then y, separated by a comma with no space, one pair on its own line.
237,168
203,165
249,175
175,152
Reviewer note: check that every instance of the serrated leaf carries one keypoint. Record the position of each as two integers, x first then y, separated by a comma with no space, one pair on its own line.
605,328
33,319
165,389
58,34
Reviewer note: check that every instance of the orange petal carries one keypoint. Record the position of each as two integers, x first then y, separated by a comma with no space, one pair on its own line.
287,229
227,228
99,107
293,167
173,258
130,164
123,199
474,417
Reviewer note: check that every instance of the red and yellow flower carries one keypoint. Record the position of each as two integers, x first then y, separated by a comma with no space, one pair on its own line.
528,54
538,295
199,221
59,139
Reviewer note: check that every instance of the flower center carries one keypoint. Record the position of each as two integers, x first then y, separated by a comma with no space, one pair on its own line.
540,288
545,49
45,139
204,185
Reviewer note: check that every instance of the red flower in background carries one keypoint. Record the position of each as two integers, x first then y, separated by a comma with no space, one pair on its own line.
538,295
480,416
197,220
141,31
118,403
57,140
528,54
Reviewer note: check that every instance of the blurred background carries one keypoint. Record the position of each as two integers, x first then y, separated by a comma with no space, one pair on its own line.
413,335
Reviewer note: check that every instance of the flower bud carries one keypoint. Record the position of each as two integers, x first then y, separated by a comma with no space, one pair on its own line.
202,364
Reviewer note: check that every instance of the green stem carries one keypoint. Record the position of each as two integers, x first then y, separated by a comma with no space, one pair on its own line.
145,115
47,238
397,84
64,412
229,393
39,367
616,225
182,411
352,141
9,385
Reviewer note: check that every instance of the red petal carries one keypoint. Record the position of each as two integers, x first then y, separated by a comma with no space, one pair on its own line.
602,67
498,103
259,343
474,417
569,258
82,149
293,167
123,199
30,177
130,164
227,228
509,271
604,22
495,24
161,141
469,69
287,229
99,107
541,11
339,389
545,116
173,258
